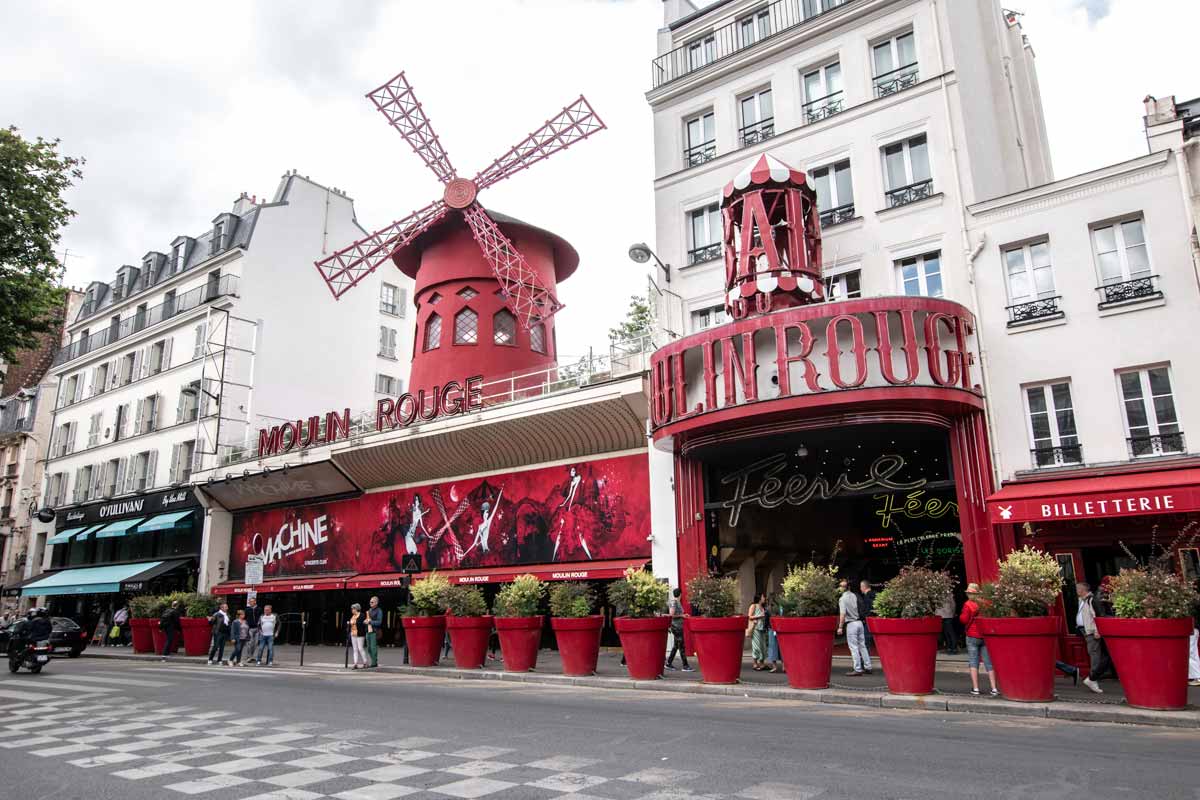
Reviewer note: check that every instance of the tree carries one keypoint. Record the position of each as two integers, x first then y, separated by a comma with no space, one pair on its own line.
638,322
33,177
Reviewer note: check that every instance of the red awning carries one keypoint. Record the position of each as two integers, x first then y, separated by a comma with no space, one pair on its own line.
284,585
578,571
1126,494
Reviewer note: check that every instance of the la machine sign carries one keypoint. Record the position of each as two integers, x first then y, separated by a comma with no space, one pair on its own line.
451,399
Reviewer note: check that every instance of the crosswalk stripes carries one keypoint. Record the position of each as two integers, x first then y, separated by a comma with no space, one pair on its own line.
108,680
21,694
59,684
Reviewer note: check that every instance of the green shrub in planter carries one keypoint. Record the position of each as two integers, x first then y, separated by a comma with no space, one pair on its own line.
915,592
710,596
199,605
464,601
425,596
639,594
147,606
1152,592
572,599
520,598
1029,583
810,591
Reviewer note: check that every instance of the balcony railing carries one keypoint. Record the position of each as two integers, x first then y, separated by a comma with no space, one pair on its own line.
782,15
897,80
1143,288
698,154
709,252
227,285
757,132
836,216
824,107
904,195
1160,444
1060,456
1040,309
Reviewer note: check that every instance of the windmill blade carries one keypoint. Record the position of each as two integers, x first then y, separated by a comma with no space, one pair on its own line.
396,101
574,123
524,293
348,266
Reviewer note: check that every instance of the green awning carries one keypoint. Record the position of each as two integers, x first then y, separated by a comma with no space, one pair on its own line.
164,521
87,534
62,537
120,528
86,580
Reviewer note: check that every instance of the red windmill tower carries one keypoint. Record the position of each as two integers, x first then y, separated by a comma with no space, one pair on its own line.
484,306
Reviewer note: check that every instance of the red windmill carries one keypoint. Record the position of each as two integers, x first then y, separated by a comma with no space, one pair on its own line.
442,267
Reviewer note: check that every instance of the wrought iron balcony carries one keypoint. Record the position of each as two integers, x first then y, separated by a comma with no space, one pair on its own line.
1161,444
897,80
700,153
836,216
709,252
903,195
1035,310
1060,456
824,107
757,132
1143,288
782,15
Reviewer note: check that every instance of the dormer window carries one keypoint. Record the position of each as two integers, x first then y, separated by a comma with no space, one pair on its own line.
178,256
217,237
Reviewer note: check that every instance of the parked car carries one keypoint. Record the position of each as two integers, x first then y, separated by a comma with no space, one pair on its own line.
66,637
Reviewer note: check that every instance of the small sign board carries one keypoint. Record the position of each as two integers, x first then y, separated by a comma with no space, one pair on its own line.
410,562
251,594
254,570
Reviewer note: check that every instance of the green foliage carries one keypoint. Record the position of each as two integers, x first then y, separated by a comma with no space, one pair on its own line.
638,594
147,606
712,597
464,601
810,591
33,177
521,597
1152,592
198,605
572,599
915,592
425,596
1029,582
639,321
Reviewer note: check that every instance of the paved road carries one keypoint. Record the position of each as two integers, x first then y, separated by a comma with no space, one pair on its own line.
100,730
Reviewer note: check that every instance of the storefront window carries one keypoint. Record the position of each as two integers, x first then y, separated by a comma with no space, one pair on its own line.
178,542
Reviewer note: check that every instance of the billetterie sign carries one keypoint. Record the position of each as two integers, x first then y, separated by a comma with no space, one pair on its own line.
451,399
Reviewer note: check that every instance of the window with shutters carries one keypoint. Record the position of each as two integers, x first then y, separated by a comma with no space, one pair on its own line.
95,425
537,338
504,328
189,403
198,347
150,412
113,473
389,299
83,484
127,362
182,459
158,356
100,379
385,384
433,332
142,476
387,342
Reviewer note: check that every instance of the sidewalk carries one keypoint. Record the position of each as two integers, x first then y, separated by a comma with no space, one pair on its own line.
953,685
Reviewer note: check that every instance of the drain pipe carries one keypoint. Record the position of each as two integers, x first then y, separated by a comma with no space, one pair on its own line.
1181,167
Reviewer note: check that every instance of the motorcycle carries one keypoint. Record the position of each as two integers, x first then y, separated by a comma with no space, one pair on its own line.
33,656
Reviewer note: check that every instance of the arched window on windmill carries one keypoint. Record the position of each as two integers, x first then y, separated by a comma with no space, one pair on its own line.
433,332
504,328
466,327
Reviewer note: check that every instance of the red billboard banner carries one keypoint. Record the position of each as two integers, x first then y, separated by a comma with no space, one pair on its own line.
574,513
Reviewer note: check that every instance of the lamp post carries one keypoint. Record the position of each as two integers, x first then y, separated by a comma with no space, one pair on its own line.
640,253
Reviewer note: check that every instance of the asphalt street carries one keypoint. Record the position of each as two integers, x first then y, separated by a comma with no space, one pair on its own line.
103,729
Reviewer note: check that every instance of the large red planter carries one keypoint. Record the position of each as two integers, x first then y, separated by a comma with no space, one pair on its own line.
644,641
578,641
425,637
197,635
1023,651
718,642
806,644
519,640
469,639
908,652
142,633
1151,656
159,639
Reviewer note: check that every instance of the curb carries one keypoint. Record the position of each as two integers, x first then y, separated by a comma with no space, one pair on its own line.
1065,711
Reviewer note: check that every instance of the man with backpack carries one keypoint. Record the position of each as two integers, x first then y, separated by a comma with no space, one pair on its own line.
220,634
171,627
850,620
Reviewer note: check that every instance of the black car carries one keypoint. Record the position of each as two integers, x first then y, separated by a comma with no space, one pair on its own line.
66,637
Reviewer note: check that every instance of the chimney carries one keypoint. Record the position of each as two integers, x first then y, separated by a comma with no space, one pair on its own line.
243,204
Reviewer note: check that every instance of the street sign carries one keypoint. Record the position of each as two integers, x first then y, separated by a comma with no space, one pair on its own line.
410,562
251,594
254,570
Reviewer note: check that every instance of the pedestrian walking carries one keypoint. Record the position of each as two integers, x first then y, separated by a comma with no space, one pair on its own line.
976,647
1071,671
357,627
171,627
121,620
220,634
375,618
850,621
254,628
1193,655
678,644
949,635
773,659
266,639
1085,620
239,630
756,629
866,608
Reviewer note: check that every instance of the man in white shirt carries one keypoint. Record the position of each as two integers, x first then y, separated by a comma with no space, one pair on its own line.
266,653
855,628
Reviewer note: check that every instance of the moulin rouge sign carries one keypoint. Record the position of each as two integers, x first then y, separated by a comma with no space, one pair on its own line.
451,399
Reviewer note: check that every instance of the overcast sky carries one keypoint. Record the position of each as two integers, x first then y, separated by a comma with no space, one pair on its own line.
179,107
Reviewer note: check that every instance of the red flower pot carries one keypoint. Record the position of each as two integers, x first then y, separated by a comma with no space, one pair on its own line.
1023,651
718,642
644,641
142,632
197,635
519,640
578,643
1151,656
159,638
469,639
425,636
806,644
908,651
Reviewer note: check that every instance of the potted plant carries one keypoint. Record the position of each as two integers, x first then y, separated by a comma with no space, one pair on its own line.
518,622
197,633
1021,635
906,628
468,623
144,613
641,601
806,626
716,630
576,628
1148,637
423,620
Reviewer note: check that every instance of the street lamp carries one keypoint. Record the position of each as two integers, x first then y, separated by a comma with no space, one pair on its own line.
640,253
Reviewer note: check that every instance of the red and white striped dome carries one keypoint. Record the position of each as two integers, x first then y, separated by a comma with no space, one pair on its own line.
767,169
